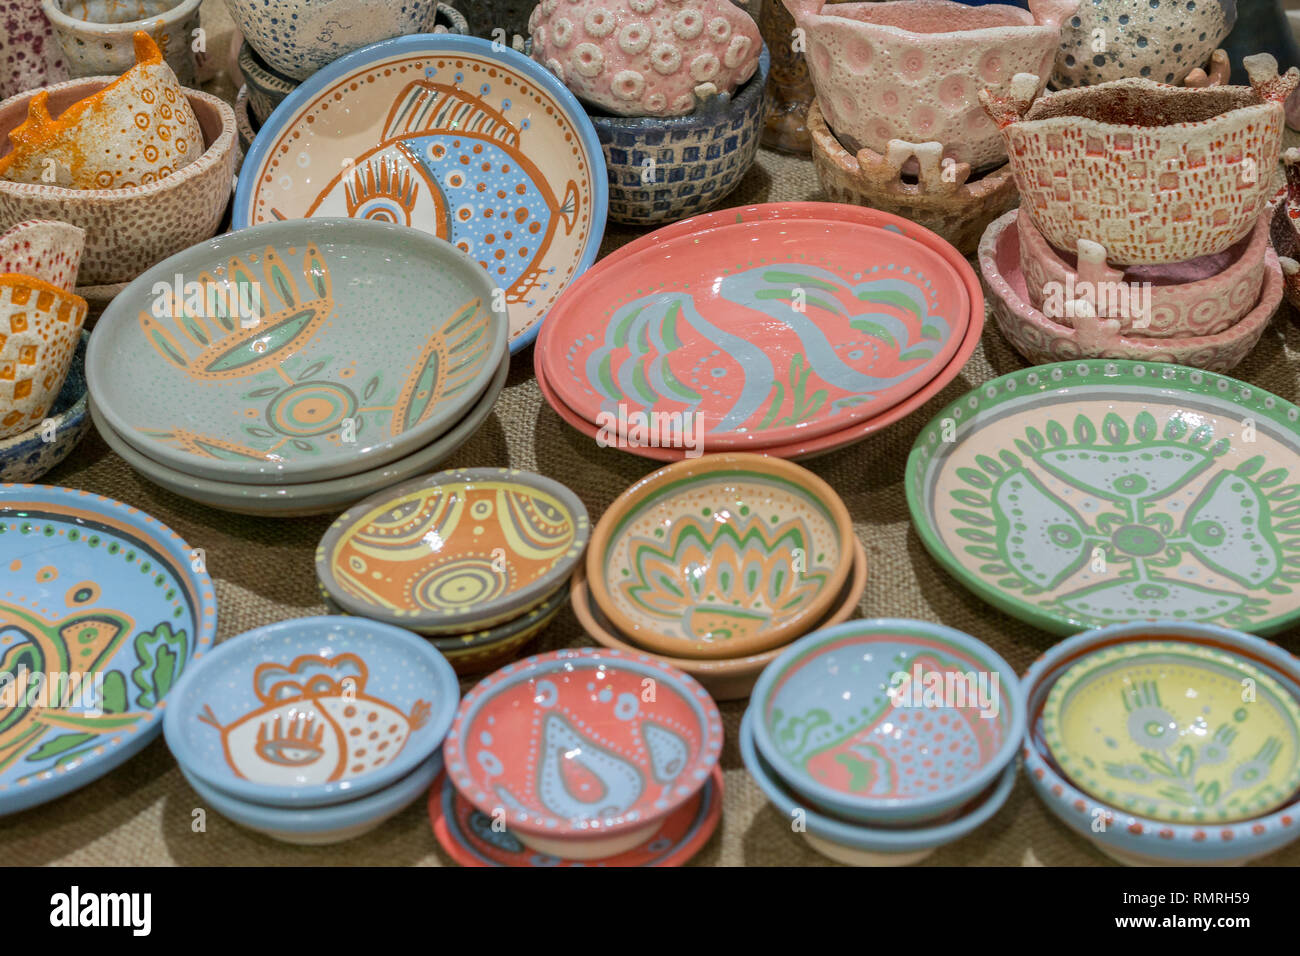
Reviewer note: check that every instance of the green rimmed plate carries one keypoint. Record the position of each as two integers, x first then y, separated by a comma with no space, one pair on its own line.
1175,732
1088,493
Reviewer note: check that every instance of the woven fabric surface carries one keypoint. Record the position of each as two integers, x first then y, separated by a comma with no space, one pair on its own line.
144,813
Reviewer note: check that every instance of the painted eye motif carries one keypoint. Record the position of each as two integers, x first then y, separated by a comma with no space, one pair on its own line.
292,741
382,192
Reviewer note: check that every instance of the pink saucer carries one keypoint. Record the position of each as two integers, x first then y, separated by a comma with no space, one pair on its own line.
469,838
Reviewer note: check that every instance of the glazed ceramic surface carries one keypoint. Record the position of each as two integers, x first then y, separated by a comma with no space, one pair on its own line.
1175,732
831,212
321,826
1154,174
96,35
40,326
300,37
105,604
469,838
1043,340
1283,229
29,55
43,249
129,229
443,133
766,330
639,58
913,70
312,711
858,844
274,328
728,678
568,747
666,168
1092,492
888,721
326,496
27,456
132,132
266,88
1202,297
1119,833
1161,41
721,556
457,550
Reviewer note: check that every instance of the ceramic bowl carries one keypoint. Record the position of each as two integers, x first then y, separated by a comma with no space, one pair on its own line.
1203,297
1175,732
663,168
725,678
41,326
245,122
129,229
274,328
298,37
96,35
1285,226
855,844
101,585
43,249
459,550
391,148
27,456
266,88
312,712
1152,173
913,70
843,713
1006,488
582,766
1121,834
29,56
469,838
721,556
1043,340
310,497
447,19
1161,42
321,826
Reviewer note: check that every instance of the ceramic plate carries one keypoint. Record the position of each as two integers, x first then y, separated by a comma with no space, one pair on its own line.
462,549
104,603
889,720
1093,492
767,330
1175,732
482,147
805,446
266,367
312,711
721,556
468,836
568,746
308,497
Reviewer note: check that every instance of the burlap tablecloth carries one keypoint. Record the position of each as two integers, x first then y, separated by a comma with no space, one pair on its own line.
143,813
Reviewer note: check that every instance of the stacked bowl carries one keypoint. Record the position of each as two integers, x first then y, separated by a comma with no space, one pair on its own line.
255,372
1143,230
588,756
315,730
478,560
882,740
1168,743
713,565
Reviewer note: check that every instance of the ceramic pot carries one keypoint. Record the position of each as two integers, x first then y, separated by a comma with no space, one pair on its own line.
666,168
938,195
1203,297
298,37
29,455
266,88
789,88
245,122
1153,173
130,229
45,250
634,58
96,35
1285,227
913,70
29,55
1162,41
41,326
1042,340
